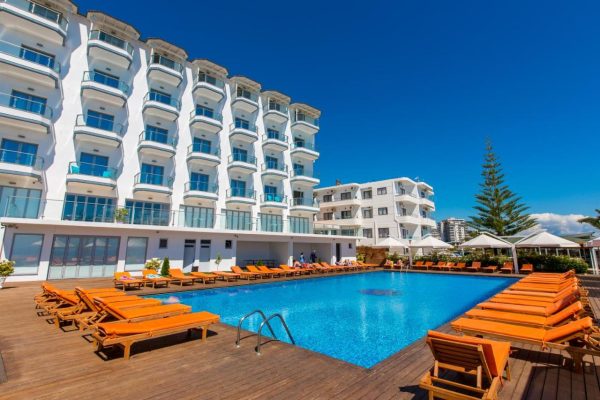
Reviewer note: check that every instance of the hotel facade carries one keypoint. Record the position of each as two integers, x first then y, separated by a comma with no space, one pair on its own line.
115,150
399,208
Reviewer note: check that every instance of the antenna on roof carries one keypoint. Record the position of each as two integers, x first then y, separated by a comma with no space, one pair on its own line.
338,182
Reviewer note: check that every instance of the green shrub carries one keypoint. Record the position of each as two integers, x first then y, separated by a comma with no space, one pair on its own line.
553,263
7,267
166,267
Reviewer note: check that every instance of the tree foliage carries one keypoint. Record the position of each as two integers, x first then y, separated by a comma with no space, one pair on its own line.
593,221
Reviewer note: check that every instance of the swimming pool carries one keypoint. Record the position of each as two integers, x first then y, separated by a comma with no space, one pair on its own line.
359,318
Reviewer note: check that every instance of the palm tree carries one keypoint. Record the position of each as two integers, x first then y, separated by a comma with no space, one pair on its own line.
593,221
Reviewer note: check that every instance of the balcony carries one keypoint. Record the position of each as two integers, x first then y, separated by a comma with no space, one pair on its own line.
304,150
244,132
161,106
200,190
23,168
340,202
241,164
104,88
274,171
165,70
275,142
25,114
406,198
304,204
209,87
428,222
97,130
35,19
273,201
199,154
428,201
156,144
88,176
305,124
241,197
245,101
152,184
303,178
276,112
408,219
110,49
29,64
206,120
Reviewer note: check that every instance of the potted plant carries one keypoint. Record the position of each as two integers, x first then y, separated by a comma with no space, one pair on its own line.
121,215
7,267
166,267
153,264
218,260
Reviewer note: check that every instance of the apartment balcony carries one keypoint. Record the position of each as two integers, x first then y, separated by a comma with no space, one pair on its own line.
406,198
28,64
278,113
428,201
25,114
22,168
408,219
273,202
428,222
238,164
197,154
273,142
339,202
87,176
34,18
165,70
243,132
209,87
245,101
305,124
152,184
240,197
206,120
304,150
275,172
304,204
303,178
156,144
199,190
111,49
104,88
98,131
161,106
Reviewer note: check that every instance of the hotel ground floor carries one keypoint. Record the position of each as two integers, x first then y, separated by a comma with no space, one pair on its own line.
45,249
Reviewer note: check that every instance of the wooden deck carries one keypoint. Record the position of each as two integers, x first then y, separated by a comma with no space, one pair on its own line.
43,362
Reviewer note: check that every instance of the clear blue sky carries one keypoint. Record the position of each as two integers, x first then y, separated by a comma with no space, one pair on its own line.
413,88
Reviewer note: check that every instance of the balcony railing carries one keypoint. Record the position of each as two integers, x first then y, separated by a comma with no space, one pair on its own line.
153,179
89,169
303,172
27,54
112,40
203,77
105,124
304,145
40,11
202,112
273,198
142,216
271,136
92,76
245,193
21,158
242,125
305,118
161,98
306,202
158,138
24,104
274,166
201,187
200,148
166,62
245,94
242,158
274,106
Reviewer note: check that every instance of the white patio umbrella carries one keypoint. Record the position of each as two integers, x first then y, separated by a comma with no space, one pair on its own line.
489,241
390,243
544,240
428,242
593,245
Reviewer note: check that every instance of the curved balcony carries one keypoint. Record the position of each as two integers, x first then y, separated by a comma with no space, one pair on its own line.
242,197
303,178
304,204
40,21
275,172
428,222
88,176
23,168
305,124
304,150
243,132
209,87
408,219
25,114
98,130
241,164
199,154
205,120
156,144
152,184
407,198
165,70
245,101
29,64
111,49
273,201
198,190
104,88
276,112
278,142
428,201
161,106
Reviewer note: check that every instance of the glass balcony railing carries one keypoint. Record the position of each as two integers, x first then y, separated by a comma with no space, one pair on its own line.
145,216
83,168
274,106
273,198
204,112
161,98
112,40
306,202
92,76
153,179
31,55
25,104
298,117
302,172
275,166
201,148
99,122
166,62
275,136
203,77
158,138
304,145
201,187
40,11
21,158
243,125
249,194
246,94
242,158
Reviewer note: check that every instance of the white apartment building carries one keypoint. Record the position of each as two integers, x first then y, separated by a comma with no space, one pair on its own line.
94,121
453,230
400,208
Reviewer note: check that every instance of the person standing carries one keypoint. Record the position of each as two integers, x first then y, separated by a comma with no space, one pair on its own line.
301,259
313,257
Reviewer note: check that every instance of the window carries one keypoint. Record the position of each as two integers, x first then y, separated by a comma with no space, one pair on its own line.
328,216
271,194
271,162
100,120
367,194
346,214
238,220
382,211
242,123
273,105
299,225
201,145
381,191
161,97
136,253
368,233
71,250
383,233
238,188
156,134
95,165
228,244
152,174
404,233
25,252
423,213
205,111
327,198
162,60
147,213
105,79
36,56
28,102
367,213
199,182
88,208
198,217
115,41
19,202
239,154
298,169
346,196
243,92
273,134
271,223
299,142
349,245
163,243
21,153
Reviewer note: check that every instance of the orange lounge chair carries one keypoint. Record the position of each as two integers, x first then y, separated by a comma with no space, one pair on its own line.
418,265
267,270
541,287
227,276
448,266
490,269
152,278
125,281
550,275
79,310
486,360
438,266
337,268
177,275
281,271
319,268
248,275
118,312
475,267
526,269
125,334
545,310
428,264
561,317
268,274
293,271
507,268
511,295
205,277
459,266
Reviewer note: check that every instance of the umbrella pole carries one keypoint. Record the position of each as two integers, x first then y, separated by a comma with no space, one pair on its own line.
513,251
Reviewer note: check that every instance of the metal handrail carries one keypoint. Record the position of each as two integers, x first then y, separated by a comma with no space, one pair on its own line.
266,321
239,327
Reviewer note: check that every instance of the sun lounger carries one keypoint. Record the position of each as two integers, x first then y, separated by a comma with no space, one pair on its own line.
117,312
153,279
526,269
459,266
177,275
419,265
486,360
125,281
266,270
248,275
561,317
544,310
80,309
293,271
507,268
227,276
126,334
428,264
281,271
490,269
448,266
475,267
204,277
267,274
438,266
337,268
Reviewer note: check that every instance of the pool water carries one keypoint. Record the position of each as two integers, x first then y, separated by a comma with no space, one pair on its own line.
359,318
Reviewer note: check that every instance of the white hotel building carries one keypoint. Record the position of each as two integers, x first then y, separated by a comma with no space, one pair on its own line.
95,120
400,208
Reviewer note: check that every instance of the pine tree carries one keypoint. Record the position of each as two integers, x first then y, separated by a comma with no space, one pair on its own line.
593,221
166,268
499,210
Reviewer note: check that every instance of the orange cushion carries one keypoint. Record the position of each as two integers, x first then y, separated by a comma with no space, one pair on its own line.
507,316
156,325
568,329
130,313
500,329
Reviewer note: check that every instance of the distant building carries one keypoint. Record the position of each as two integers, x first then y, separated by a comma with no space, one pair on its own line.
452,230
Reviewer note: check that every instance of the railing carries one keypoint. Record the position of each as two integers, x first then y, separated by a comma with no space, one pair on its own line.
153,179
27,54
274,106
158,138
39,10
245,94
202,112
298,117
242,158
273,198
161,98
92,76
304,173
24,104
21,158
89,169
398,193
279,137
248,194
276,167
138,216
201,187
199,148
112,40
166,62
304,145
93,121
306,202
203,77
241,125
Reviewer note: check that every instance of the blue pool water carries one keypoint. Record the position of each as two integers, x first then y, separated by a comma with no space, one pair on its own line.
360,318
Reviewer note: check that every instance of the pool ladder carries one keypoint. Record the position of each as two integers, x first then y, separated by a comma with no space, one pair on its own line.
265,322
